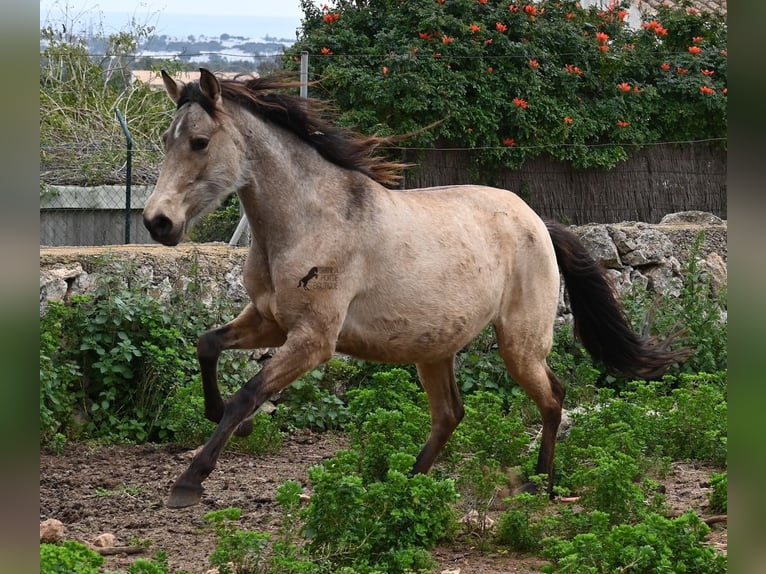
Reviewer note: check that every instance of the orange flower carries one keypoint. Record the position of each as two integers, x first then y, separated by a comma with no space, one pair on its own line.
603,47
331,17
513,8
490,69
697,39
474,28
501,27
623,124
725,91
665,66
521,103
694,49
534,64
624,87
569,15
707,72
509,142
326,51
681,71
706,90
602,37
572,69
661,31
482,1
488,41
385,70
530,9
568,120
447,39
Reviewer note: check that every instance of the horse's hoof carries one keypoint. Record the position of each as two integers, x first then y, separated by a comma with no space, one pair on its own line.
183,496
245,428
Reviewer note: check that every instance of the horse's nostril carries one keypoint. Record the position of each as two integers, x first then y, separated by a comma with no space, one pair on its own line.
159,226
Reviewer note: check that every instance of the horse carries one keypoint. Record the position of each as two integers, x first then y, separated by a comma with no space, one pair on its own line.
403,276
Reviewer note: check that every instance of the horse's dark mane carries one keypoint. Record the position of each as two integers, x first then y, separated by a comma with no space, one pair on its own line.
309,119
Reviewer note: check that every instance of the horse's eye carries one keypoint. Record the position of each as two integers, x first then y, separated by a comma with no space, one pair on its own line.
198,144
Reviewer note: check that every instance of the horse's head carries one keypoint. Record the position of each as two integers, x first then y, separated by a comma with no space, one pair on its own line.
202,164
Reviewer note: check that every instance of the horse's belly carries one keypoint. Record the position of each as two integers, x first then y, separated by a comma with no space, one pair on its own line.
409,338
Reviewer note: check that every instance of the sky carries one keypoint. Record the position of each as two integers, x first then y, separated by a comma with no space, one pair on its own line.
180,17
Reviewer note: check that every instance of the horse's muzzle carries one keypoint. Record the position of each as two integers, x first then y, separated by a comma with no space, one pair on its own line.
162,230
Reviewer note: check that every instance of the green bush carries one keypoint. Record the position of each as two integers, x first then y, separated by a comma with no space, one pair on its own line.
237,551
111,359
719,495
548,77
382,525
68,557
657,545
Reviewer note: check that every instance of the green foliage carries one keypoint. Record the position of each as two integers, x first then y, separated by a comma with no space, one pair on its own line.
237,551
189,427
67,557
549,77
382,525
110,359
218,225
305,404
518,527
698,312
657,545
719,496
157,565
387,417
489,442
678,418
78,97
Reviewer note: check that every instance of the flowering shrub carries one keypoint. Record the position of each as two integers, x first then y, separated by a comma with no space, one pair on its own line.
518,79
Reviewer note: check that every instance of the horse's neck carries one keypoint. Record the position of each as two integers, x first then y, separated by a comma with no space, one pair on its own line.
289,183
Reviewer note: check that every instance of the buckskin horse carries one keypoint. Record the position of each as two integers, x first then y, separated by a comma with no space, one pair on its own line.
416,274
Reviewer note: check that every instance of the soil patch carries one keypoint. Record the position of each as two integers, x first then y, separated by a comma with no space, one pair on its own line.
122,490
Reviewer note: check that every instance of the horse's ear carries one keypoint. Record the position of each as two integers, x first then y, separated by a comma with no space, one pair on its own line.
210,86
172,87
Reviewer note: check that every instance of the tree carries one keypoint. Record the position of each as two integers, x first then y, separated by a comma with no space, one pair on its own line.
518,79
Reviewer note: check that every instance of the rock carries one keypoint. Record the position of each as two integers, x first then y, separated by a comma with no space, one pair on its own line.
717,271
652,247
695,217
105,540
51,531
600,245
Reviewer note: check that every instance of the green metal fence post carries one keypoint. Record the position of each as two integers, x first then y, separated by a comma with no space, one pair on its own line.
129,170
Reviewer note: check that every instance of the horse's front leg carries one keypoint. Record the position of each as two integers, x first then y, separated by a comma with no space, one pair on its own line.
301,352
249,330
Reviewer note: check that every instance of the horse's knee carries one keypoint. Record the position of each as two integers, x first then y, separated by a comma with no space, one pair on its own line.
209,346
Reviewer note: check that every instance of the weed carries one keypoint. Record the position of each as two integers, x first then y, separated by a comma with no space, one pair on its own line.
656,544
239,551
718,498
67,557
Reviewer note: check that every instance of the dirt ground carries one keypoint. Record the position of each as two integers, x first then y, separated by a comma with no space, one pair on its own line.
122,490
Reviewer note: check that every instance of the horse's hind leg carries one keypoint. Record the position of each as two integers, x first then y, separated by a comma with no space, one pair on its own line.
446,405
249,330
524,357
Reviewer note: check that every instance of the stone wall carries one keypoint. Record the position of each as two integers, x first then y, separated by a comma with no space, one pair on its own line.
652,255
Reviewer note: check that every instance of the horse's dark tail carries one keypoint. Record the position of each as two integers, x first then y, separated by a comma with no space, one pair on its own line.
599,320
